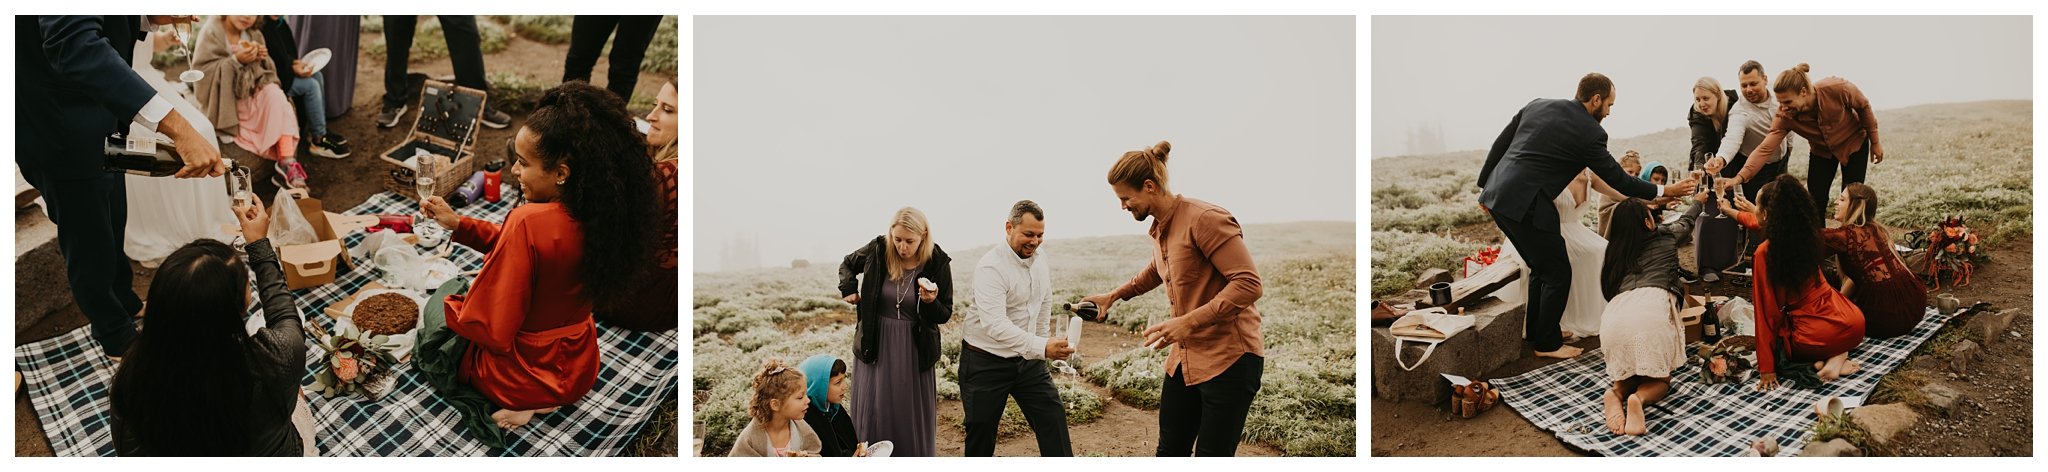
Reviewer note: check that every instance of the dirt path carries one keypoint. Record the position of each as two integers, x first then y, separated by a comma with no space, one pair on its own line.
1996,419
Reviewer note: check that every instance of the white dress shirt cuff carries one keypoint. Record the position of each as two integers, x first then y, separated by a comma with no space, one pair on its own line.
153,112
1034,349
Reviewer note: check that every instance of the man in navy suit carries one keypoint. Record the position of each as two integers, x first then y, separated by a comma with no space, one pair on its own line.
74,87
1543,148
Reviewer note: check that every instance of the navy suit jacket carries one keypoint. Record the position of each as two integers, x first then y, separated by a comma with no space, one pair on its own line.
74,85
1546,145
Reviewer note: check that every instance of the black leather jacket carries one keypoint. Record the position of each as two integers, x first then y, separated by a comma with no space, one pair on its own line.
278,360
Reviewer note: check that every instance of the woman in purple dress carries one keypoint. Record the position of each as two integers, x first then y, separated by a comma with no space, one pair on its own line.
904,291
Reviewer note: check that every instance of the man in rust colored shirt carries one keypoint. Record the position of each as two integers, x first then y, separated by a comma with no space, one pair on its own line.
1213,372
1836,121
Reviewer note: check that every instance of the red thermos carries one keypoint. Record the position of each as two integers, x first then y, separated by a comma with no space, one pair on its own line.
491,181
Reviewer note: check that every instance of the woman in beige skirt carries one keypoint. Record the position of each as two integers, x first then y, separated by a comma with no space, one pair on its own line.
1640,329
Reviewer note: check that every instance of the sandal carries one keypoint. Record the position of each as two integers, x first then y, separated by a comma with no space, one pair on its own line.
1383,313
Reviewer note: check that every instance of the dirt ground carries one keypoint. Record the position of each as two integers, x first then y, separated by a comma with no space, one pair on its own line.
1996,419
344,183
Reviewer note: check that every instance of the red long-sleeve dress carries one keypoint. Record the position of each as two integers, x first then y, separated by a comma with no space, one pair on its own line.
1822,322
1892,298
532,342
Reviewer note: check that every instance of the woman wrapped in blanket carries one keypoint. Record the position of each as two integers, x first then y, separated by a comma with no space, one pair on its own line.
241,95
1640,329
1798,315
586,231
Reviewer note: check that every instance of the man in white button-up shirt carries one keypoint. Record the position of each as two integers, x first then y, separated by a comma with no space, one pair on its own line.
1007,341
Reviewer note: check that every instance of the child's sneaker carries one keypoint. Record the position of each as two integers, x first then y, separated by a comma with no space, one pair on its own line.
290,174
324,146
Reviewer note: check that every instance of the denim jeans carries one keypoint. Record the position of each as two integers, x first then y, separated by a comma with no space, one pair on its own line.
306,91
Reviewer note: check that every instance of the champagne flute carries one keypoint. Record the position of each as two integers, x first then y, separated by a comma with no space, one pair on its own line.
423,182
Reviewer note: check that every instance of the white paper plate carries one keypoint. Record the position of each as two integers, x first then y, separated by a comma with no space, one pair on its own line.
881,449
404,341
317,58
191,76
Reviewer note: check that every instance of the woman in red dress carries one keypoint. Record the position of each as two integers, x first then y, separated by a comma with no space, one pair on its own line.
1798,315
1892,299
586,231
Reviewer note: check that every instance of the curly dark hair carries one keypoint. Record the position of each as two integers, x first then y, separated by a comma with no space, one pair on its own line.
1792,226
610,190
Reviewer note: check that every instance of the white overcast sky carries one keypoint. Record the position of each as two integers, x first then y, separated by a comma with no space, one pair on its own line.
811,131
1470,74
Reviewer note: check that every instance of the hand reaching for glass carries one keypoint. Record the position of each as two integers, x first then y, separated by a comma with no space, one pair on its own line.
255,221
437,209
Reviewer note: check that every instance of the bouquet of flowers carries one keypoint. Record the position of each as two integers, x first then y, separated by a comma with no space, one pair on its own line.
1728,361
357,363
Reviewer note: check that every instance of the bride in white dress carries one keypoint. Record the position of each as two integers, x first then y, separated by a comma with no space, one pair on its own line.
1585,248
166,213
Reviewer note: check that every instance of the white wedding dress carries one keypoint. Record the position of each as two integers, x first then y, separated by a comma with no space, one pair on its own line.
166,213
1586,249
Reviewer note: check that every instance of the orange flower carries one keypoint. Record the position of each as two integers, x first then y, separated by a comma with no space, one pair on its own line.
346,369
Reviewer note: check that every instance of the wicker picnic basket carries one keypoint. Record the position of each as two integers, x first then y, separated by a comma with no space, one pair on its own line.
446,128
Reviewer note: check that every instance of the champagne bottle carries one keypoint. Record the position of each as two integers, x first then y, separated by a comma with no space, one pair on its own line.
141,155
1086,310
1710,323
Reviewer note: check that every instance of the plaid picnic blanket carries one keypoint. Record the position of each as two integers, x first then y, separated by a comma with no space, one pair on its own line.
68,382
1697,419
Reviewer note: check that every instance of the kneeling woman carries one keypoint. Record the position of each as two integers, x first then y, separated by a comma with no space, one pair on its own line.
196,383
584,234
1640,329
1798,315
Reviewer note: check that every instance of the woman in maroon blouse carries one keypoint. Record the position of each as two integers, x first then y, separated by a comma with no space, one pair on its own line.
1892,299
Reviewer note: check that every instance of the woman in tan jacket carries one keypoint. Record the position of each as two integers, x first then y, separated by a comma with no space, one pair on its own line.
240,94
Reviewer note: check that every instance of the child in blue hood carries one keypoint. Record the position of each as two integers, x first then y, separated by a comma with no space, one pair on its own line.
826,382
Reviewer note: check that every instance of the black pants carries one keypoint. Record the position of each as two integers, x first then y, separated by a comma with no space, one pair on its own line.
1750,189
465,52
988,382
91,216
1820,175
586,40
1539,240
1208,419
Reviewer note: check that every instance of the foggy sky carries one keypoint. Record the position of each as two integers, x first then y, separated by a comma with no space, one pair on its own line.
1470,74
812,131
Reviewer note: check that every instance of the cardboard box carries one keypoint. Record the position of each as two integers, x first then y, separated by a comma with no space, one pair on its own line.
317,263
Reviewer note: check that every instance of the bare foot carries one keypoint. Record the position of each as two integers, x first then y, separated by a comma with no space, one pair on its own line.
1849,367
1565,352
1611,408
1832,370
1634,425
508,419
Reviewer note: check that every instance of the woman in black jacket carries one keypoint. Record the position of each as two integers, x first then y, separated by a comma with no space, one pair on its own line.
902,284
1708,118
1640,331
195,383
